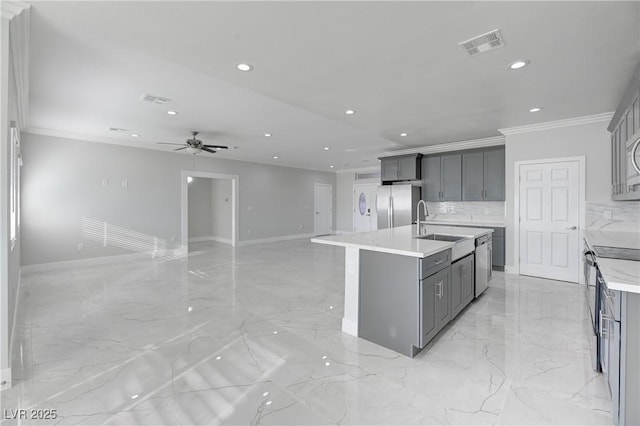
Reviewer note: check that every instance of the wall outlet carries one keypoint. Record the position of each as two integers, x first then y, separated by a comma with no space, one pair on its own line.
124,183
105,182
172,239
301,226
80,246
607,214
248,231
249,208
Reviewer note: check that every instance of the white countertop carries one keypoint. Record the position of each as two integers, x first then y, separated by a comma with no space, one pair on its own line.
622,275
613,238
463,222
400,240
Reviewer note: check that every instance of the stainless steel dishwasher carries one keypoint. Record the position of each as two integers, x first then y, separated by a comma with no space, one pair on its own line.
484,250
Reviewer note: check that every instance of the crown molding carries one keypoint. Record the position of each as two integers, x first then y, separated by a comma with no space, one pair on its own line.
450,146
547,125
10,9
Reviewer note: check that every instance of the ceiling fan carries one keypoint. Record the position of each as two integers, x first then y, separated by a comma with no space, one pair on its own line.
196,145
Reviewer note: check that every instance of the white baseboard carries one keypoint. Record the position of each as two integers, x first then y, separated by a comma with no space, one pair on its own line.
349,327
5,379
274,239
509,269
215,239
102,260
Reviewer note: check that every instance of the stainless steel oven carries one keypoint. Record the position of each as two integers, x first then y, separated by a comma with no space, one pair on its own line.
592,296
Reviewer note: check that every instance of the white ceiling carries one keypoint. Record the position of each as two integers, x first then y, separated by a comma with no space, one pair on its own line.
398,64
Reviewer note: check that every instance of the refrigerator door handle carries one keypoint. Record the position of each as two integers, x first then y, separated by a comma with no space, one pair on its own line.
390,211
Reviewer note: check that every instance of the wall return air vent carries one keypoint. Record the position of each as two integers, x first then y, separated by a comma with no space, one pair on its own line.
483,43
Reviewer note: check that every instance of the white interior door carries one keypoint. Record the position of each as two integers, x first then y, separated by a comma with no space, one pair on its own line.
323,209
549,219
365,217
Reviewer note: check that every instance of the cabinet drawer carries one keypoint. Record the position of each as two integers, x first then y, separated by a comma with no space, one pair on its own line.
432,264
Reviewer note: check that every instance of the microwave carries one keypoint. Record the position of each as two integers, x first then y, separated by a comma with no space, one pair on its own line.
633,163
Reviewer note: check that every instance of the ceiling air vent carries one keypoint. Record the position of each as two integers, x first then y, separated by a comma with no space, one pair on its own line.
117,129
154,99
483,43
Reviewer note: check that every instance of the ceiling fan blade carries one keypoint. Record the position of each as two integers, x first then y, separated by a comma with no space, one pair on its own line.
204,148
165,143
217,146
180,149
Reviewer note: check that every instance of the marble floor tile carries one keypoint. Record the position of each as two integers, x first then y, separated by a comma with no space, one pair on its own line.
252,335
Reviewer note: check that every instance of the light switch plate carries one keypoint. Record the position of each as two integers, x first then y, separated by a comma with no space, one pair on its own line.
607,214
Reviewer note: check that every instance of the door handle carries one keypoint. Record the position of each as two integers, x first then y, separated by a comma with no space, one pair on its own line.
572,228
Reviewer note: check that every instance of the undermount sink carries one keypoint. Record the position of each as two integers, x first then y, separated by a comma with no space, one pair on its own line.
440,237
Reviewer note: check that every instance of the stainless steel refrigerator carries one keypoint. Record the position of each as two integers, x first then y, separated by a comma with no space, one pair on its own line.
396,205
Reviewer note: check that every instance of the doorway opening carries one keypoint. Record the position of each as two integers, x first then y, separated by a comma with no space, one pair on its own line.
209,208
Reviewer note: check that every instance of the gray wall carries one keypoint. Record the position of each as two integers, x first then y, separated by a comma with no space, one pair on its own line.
221,209
200,208
589,140
62,185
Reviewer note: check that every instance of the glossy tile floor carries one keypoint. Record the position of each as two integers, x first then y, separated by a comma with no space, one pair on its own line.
252,336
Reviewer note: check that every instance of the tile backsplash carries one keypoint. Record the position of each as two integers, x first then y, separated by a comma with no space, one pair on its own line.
490,211
613,216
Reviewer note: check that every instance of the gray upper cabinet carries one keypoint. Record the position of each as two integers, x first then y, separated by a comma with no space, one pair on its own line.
442,177
494,174
483,175
625,132
472,176
403,167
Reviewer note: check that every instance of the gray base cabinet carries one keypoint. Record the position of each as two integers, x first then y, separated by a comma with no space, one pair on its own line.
405,301
620,352
462,288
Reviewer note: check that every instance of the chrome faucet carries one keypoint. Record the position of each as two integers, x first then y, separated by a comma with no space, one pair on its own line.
425,210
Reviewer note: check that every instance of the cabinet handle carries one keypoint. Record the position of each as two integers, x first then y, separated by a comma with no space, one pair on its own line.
439,285
439,261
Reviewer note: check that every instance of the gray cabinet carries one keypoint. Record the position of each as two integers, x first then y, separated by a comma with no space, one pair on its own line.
462,280
428,325
494,179
443,297
442,177
625,132
620,352
483,175
498,242
400,168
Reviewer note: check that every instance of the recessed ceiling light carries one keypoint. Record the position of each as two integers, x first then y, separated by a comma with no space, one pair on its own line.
267,135
350,112
135,135
275,157
404,134
244,67
331,167
326,148
516,65
172,113
536,109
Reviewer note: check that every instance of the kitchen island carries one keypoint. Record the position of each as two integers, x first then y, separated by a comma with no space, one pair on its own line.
398,289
